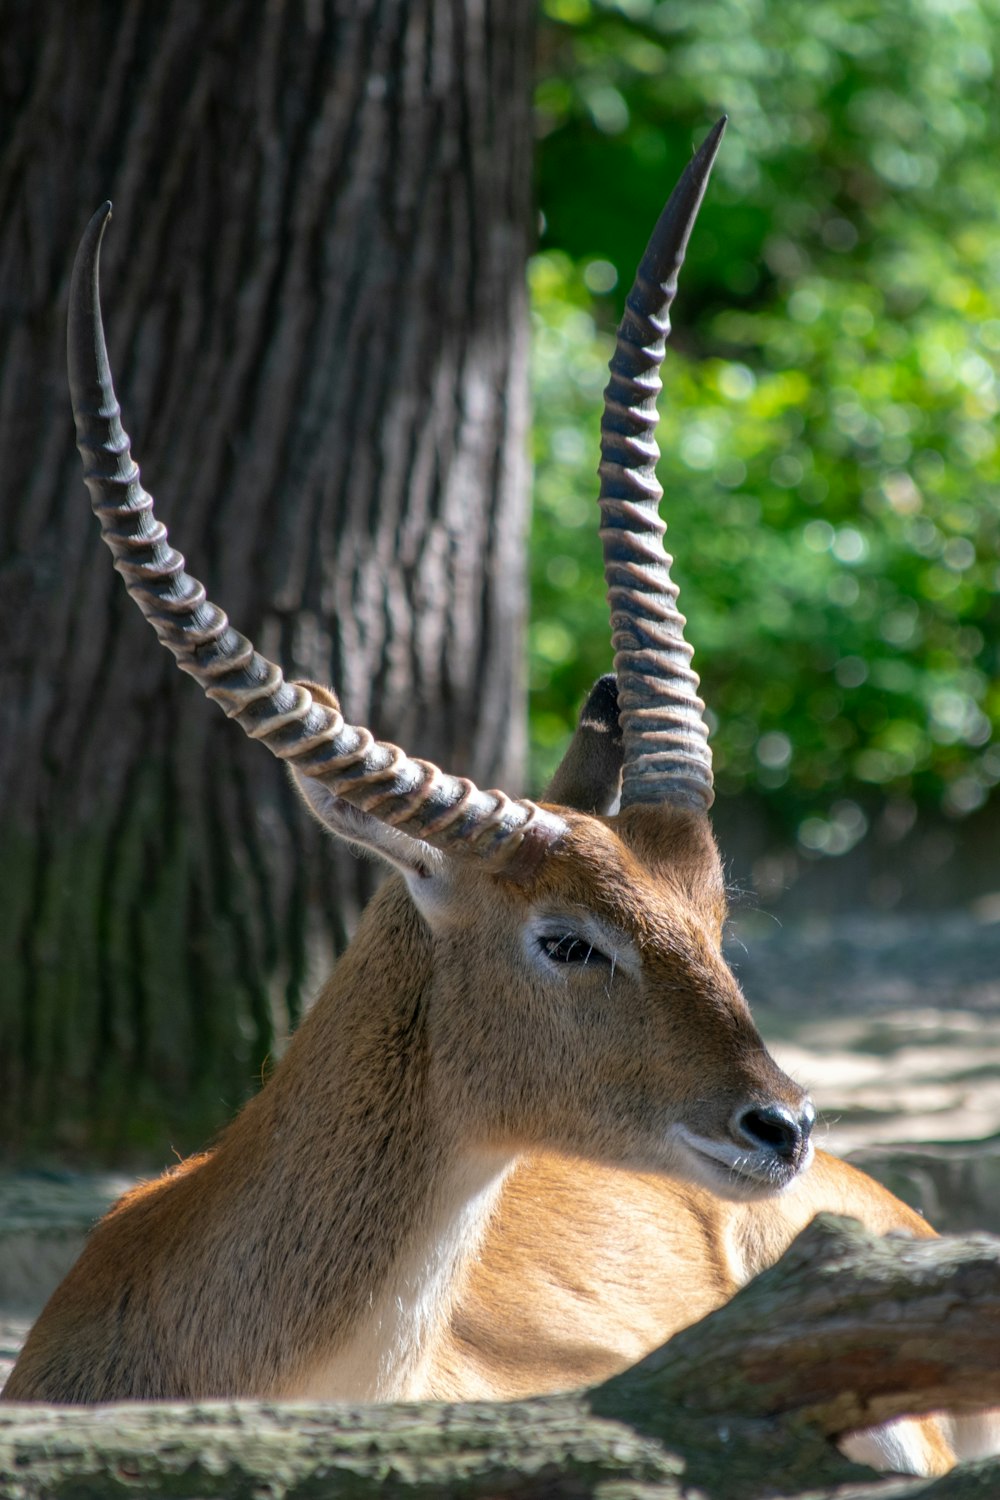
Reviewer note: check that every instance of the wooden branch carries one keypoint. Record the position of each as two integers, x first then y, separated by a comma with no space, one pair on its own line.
844,1330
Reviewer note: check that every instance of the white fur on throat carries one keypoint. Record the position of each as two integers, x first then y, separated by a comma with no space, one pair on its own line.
383,1359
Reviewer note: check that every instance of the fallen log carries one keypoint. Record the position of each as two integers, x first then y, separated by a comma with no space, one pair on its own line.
845,1330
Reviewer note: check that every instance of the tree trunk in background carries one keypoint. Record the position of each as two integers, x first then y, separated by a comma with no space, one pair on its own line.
314,294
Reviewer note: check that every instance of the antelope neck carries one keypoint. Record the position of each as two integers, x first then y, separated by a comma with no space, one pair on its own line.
375,1200
382,1353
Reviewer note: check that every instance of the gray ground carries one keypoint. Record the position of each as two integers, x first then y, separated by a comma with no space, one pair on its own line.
891,1021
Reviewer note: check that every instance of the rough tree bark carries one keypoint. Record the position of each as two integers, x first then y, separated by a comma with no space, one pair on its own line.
845,1330
314,293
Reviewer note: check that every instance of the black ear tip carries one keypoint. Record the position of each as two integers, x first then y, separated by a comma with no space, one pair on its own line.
601,708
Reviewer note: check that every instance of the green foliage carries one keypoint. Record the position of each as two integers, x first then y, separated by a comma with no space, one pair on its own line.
831,470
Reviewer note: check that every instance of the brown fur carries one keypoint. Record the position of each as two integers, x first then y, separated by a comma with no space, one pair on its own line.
586,1269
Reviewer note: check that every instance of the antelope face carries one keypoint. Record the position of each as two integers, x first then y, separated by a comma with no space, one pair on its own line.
593,1012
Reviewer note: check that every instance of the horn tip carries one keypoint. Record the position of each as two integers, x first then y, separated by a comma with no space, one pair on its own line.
87,356
709,147
98,222
90,247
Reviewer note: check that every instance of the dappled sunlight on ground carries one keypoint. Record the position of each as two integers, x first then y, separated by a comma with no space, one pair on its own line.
893,1023
912,1075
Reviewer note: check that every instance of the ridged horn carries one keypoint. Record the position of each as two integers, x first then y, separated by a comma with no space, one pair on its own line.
667,758
448,812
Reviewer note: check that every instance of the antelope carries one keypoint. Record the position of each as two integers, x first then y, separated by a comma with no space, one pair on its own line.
528,1128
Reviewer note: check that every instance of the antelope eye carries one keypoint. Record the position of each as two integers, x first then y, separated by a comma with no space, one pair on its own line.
570,948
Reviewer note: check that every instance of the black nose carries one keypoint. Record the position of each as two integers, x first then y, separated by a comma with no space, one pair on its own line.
774,1126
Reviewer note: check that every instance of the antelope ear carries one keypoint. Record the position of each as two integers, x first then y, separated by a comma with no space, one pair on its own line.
589,778
415,859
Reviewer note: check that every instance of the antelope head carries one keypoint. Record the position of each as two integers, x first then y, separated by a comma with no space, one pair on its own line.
571,980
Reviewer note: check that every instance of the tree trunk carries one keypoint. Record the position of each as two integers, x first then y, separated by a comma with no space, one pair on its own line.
845,1329
314,294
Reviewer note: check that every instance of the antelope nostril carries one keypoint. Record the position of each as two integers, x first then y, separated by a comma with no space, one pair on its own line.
774,1126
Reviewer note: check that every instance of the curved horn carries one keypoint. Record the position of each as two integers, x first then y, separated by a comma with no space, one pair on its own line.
448,812
667,758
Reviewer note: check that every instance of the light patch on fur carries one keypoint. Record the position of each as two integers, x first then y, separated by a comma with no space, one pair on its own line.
733,1171
384,1358
975,1435
901,1447
735,1251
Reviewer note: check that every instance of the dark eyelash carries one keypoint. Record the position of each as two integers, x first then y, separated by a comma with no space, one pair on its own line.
571,949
